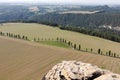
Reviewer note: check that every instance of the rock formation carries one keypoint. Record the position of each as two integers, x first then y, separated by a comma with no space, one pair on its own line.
73,70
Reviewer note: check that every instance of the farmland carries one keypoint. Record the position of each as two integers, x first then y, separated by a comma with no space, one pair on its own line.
43,31
36,36
79,12
24,60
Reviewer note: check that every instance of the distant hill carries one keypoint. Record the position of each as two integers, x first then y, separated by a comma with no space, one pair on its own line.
89,17
105,15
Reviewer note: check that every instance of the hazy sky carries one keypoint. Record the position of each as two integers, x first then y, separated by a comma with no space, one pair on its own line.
68,1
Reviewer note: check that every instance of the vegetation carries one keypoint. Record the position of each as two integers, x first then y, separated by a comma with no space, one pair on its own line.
90,21
99,51
55,43
60,42
79,47
101,34
19,13
83,23
43,32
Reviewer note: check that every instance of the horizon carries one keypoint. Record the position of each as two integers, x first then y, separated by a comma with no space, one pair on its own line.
77,2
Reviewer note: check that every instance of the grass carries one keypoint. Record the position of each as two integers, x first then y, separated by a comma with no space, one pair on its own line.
103,67
42,31
55,43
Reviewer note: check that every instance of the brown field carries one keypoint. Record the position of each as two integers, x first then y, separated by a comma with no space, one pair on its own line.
23,60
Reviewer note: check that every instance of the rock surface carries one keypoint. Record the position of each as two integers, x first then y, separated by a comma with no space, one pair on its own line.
73,70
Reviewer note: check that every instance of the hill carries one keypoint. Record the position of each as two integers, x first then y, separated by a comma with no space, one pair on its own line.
23,60
91,17
46,32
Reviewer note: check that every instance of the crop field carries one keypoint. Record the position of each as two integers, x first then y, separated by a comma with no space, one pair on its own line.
42,31
24,60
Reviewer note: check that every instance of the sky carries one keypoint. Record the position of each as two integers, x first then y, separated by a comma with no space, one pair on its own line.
67,1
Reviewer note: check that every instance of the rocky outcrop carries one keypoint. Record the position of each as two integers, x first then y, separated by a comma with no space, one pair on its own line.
73,70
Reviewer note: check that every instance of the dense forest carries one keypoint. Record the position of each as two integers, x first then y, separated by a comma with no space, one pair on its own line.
106,34
80,20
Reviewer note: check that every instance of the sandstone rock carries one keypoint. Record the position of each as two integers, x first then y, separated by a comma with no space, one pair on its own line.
73,70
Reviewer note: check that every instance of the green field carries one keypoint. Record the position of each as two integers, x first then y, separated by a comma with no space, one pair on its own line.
55,43
42,31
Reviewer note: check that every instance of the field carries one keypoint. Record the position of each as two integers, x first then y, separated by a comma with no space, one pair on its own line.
24,60
34,9
79,12
43,31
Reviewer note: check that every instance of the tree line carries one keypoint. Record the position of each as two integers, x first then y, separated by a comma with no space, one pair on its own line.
14,35
75,46
78,47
